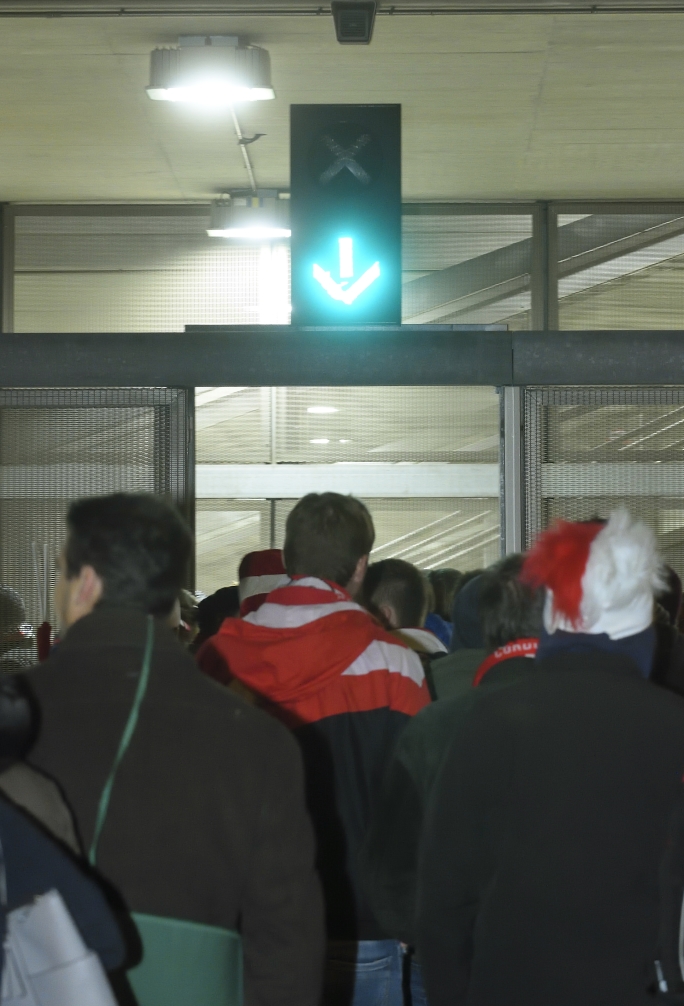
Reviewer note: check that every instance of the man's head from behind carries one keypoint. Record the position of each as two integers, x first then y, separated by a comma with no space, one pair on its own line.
125,550
509,609
329,536
398,592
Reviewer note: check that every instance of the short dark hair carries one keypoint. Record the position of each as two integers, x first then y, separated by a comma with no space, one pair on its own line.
325,536
399,583
137,544
508,608
445,582
213,610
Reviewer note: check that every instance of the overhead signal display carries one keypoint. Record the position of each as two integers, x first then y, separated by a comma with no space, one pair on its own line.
345,214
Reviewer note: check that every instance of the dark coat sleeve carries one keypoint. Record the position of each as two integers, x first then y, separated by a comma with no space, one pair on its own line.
282,920
668,666
391,852
456,860
671,902
35,863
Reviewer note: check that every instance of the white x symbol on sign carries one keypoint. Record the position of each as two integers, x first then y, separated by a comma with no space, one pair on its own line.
345,158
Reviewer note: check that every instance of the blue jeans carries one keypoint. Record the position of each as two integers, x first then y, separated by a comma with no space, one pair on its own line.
416,993
371,973
367,973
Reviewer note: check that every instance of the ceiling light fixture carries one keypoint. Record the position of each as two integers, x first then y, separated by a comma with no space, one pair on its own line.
322,410
320,440
260,217
210,70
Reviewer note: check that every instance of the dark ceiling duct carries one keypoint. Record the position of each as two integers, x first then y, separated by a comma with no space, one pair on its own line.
353,20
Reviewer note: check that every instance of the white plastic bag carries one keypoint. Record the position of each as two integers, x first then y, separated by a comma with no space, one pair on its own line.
46,961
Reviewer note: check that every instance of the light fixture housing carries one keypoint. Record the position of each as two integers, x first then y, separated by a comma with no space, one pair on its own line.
210,70
354,20
261,217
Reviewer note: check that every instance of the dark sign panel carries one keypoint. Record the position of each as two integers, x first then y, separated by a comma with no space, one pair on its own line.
345,214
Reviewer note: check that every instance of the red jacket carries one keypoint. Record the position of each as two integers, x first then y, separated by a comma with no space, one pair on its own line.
348,688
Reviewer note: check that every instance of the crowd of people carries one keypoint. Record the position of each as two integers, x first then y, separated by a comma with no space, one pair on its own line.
400,787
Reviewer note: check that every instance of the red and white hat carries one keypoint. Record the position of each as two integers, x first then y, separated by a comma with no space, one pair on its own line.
600,577
259,574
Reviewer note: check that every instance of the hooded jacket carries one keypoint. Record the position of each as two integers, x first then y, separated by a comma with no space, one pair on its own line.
347,687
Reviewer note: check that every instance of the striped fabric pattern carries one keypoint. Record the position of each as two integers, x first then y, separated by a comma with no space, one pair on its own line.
314,652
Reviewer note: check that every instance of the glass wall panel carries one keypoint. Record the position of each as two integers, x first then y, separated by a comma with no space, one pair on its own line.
157,270
467,268
425,461
621,270
143,273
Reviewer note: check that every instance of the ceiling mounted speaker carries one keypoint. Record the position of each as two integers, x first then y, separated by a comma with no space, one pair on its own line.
354,20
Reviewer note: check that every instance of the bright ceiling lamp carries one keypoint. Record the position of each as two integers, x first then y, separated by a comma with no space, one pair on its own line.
260,217
210,70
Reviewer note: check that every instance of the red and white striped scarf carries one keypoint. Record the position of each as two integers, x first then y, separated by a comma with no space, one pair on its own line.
313,652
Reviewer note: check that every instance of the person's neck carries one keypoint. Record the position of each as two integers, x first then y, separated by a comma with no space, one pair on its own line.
639,648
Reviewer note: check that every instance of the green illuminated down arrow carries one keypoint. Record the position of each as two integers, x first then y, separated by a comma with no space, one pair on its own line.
340,291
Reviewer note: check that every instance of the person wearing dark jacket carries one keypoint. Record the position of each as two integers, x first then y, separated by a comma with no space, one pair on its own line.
397,593
510,613
668,661
452,674
29,789
538,874
34,864
207,818
347,687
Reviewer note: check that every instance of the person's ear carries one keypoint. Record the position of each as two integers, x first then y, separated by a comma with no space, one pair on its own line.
389,616
83,592
354,585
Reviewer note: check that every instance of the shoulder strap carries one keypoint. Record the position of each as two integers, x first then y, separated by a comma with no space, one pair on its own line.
129,730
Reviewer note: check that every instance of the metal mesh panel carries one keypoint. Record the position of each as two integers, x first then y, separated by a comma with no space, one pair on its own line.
59,445
141,273
590,450
621,270
467,268
157,270
428,437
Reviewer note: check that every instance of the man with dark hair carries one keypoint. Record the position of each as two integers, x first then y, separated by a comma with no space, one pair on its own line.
348,688
330,537
127,550
512,614
207,818
397,592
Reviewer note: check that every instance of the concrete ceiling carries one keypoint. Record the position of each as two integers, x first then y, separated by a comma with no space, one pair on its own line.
494,106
